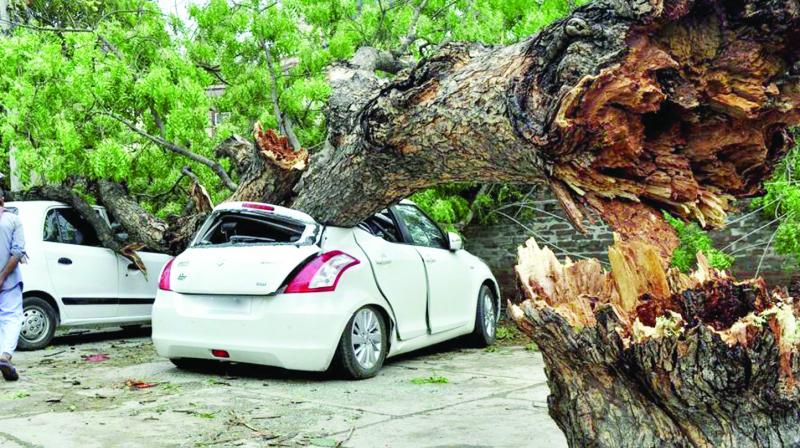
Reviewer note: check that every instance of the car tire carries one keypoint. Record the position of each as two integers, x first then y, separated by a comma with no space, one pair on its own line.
358,360
193,364
39,324
485,331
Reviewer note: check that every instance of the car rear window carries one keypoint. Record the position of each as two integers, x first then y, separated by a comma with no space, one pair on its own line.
239,227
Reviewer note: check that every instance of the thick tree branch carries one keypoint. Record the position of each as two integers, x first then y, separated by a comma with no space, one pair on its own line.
141,226
273,170
674,104
104,233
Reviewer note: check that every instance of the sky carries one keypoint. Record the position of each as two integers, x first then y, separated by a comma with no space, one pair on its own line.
181,7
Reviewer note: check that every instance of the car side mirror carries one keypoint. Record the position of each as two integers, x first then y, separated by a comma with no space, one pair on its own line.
455,241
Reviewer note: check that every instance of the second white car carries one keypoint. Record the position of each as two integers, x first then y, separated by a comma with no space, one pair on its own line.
269,285
71,280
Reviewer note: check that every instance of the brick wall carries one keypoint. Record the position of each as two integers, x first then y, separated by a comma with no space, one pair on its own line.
497,244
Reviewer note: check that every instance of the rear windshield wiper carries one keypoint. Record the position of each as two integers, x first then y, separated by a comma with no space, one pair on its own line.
250,239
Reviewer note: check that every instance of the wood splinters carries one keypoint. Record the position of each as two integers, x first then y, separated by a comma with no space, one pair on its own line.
649,353
278,150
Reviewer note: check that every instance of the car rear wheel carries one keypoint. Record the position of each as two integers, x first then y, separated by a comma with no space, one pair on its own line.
38,325
364,344
485,318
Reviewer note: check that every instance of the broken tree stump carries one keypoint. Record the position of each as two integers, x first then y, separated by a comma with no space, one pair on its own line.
645,356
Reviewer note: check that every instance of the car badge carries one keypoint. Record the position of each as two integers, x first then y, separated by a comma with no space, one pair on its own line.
181,276
220,263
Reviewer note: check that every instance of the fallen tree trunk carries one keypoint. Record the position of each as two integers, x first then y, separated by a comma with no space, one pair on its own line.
643,357
677,104
624,108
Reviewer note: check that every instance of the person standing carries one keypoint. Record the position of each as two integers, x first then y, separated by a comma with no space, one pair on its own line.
12,253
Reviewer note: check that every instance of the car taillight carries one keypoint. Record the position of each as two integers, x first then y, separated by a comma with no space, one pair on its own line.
163,282
258,206
219,353
322,273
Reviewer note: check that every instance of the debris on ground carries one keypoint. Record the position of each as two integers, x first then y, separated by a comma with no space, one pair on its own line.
138,384
97,357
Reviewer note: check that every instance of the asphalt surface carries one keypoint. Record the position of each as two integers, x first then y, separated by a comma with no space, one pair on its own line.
447,396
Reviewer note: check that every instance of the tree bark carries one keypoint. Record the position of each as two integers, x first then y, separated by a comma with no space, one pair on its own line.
640,357
141,226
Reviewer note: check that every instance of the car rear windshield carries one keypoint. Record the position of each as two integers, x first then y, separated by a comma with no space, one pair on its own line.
247,228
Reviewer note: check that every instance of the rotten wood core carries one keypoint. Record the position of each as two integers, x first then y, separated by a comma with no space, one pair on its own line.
693,116
643,356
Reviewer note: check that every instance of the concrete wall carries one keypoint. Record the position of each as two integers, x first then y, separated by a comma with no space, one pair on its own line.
497,244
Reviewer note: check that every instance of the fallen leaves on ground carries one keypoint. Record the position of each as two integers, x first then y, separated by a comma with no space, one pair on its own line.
434,379
138,384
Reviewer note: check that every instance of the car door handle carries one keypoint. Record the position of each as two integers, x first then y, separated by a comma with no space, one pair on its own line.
64,260
132,267
383,259
430,260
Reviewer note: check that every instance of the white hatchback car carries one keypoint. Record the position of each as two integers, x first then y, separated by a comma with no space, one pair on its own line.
268,285
71,280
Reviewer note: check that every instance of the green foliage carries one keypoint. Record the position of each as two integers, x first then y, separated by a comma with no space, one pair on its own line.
455,205
509,335
445,204
782,202
693,239
433,379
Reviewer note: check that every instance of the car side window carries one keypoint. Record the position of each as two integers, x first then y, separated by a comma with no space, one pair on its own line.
382,225
421,229
65,225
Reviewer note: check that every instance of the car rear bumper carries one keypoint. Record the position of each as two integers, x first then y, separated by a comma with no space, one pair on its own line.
293,331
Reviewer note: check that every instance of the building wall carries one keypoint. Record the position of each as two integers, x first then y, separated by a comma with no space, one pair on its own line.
747,235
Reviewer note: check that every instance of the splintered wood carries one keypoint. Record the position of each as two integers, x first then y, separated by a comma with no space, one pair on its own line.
278,150
573,289
641,291
644,356
693,117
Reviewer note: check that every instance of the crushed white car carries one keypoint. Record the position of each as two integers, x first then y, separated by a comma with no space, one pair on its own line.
268,285
70,280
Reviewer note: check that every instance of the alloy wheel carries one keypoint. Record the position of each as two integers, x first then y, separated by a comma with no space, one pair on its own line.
489,319
366,338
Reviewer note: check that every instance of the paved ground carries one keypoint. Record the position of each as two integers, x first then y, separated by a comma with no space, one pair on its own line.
491,399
